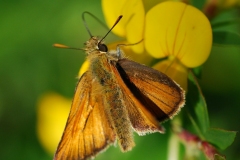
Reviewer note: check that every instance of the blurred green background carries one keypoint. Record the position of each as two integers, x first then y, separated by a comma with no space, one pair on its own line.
30,67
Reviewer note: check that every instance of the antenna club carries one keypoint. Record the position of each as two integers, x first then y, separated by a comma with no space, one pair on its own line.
60,45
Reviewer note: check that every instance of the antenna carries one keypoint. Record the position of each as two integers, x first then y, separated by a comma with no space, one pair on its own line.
119,18
85,23
86,26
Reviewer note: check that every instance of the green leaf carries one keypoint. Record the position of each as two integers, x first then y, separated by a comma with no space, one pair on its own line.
197,71
196,127
224,23
202,113
200,107
220,138
226,38
226,20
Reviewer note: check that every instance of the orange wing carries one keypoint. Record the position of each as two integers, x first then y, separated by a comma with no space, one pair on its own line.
87,130
150,96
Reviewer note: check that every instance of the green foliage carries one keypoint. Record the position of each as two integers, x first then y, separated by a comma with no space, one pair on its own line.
219,137
226,38
226,33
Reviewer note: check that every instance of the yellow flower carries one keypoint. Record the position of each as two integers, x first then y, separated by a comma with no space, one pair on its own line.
132,25
180,30
182,33
52,115
173,30
83,68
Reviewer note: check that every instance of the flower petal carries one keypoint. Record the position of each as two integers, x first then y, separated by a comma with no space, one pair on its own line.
175,70
175,28
52,115
132,24
83,68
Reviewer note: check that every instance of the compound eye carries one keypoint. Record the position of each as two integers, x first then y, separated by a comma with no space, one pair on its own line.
102,47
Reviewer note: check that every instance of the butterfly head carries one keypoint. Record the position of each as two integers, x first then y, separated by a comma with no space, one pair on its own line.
95,44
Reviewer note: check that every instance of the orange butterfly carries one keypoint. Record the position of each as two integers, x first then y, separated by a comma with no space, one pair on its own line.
115,97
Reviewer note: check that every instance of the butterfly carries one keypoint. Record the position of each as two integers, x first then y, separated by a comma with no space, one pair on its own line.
114,98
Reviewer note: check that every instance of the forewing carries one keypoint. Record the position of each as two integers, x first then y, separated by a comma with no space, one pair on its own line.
87,130
142,120
157,92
